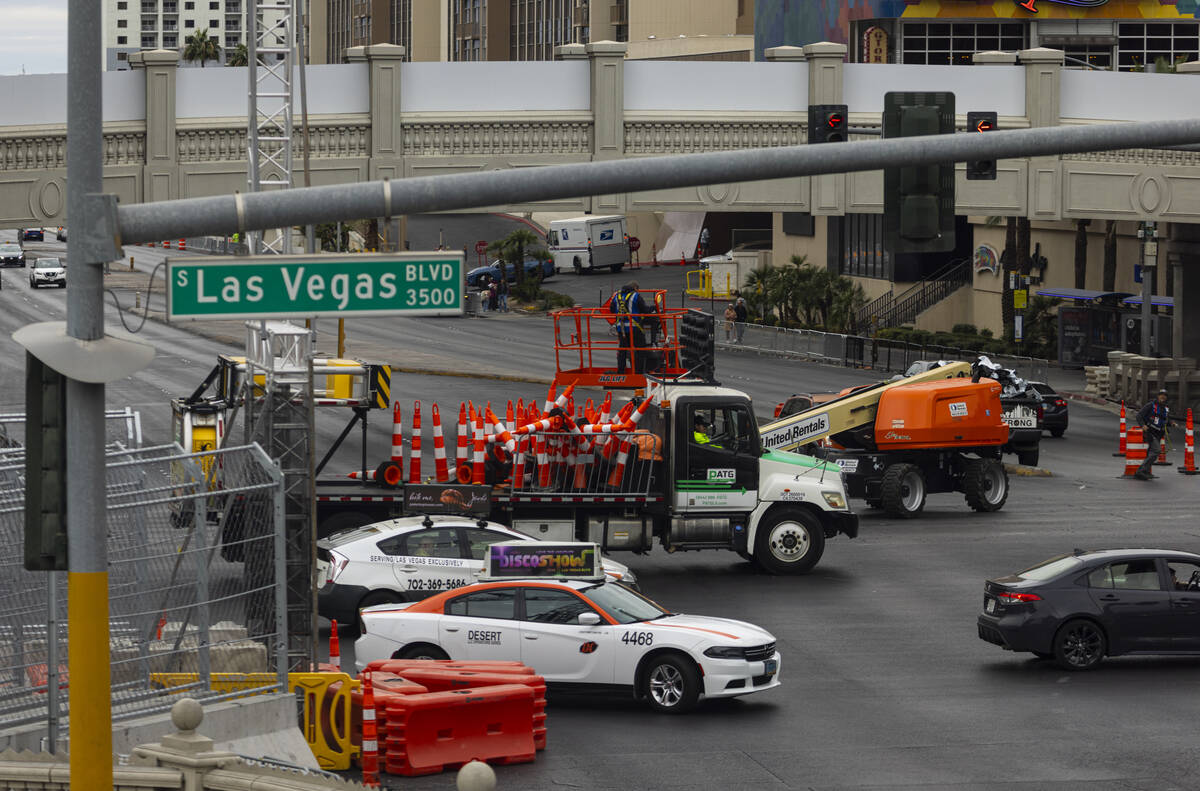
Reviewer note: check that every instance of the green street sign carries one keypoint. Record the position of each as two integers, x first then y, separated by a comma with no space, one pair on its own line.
315,286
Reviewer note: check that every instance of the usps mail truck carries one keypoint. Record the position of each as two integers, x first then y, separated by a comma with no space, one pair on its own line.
589,242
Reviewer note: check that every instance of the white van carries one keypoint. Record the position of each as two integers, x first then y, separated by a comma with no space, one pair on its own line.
589,242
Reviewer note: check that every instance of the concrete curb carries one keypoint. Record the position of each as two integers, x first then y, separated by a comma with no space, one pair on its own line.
1027,472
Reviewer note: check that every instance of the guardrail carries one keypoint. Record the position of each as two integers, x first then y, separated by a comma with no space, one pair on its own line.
855,351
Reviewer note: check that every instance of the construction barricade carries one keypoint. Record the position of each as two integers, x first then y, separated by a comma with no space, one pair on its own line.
429,733
1135,451
1189,448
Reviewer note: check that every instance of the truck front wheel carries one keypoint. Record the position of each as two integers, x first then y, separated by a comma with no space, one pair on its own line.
985,484
902,491
789,541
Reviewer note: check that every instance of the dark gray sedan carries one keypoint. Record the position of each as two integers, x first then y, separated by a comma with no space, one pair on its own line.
1077,609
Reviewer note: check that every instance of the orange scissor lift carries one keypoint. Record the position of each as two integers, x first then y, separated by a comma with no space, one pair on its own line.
586,345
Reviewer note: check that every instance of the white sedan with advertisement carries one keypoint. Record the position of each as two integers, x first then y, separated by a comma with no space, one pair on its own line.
550,607
408,559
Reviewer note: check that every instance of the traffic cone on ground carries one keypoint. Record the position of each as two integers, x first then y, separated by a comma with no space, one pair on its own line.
1189,449
1135,451
683,260
1162,450
1121,441
182,244
397,435
370,736
439,448
414,443
166,245
335,651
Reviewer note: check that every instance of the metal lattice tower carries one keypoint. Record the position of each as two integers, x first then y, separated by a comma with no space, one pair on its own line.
271,56
278,390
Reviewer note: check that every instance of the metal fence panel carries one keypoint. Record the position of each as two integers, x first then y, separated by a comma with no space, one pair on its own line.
192,547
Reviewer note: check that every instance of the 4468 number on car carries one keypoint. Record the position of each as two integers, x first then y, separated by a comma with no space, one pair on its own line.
638,638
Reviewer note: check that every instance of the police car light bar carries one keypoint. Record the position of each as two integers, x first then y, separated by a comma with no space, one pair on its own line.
544,560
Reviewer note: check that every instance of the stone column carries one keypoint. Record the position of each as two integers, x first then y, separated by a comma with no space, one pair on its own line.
384,62
825,74
160,179
785,54
608,113
570,52
1043,91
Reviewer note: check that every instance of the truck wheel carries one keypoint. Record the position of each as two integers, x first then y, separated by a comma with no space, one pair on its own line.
902,492
1029,458
789,541
616,267
985,484
578,265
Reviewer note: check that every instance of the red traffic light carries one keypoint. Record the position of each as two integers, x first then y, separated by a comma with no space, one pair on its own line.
835,120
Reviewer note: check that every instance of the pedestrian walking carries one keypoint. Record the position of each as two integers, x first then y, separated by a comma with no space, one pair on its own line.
702,248
730,318
1154,418
742,314
493,295
502,295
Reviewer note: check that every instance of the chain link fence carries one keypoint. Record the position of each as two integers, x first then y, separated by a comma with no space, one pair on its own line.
195,551
858,352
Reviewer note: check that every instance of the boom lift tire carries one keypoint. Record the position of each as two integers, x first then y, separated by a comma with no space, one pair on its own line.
789,541
902,490
985,484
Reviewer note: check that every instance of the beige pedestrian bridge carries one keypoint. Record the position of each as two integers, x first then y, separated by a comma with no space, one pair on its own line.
172,132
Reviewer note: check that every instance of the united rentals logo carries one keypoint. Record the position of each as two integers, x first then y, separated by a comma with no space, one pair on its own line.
1031,5
797,433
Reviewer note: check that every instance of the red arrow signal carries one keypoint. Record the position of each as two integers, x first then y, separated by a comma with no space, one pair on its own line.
984,126
834,120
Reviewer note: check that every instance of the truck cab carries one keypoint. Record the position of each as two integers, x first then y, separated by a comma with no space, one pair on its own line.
724,491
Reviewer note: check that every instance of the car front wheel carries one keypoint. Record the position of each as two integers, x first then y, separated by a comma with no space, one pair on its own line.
1079,645
671,684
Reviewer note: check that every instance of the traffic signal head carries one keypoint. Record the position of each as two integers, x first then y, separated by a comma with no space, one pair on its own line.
984,169
918,199
827,123
45,467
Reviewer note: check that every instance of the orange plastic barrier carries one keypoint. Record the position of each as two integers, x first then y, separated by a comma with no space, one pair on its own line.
430,733
1135,451
398,666
446,679
386,687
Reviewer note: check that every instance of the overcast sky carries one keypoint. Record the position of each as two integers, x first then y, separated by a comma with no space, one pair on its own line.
33,36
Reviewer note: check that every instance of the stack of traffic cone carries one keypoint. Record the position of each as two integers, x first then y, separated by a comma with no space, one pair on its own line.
1121,442
370,736
1189,449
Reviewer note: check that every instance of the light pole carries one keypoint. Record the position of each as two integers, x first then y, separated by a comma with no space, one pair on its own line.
1149,253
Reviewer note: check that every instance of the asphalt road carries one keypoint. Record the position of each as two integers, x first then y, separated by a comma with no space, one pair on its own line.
885,683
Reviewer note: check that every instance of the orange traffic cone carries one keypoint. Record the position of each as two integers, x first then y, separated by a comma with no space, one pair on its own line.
1121,440
1189,449
1162,450
370,736
335,652
414,445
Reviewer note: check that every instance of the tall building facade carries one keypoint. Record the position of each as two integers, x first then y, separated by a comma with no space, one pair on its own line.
134,25
478,30
1125,35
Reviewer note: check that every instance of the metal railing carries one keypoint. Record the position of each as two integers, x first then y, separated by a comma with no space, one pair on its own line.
856,351
581,464
176,603
924,294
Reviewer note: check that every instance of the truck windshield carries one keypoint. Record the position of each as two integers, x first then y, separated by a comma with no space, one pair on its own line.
622,604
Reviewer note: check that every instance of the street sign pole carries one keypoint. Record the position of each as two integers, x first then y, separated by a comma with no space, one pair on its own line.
87,579
1149,253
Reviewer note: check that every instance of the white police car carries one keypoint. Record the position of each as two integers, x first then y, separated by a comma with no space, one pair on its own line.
407,559
548,605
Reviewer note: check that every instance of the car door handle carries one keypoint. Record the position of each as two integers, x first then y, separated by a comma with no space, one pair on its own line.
1110,597
531,637
451,628
410,569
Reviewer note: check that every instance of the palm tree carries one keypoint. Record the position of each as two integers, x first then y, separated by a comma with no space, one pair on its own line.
512,250
201,48
239,57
